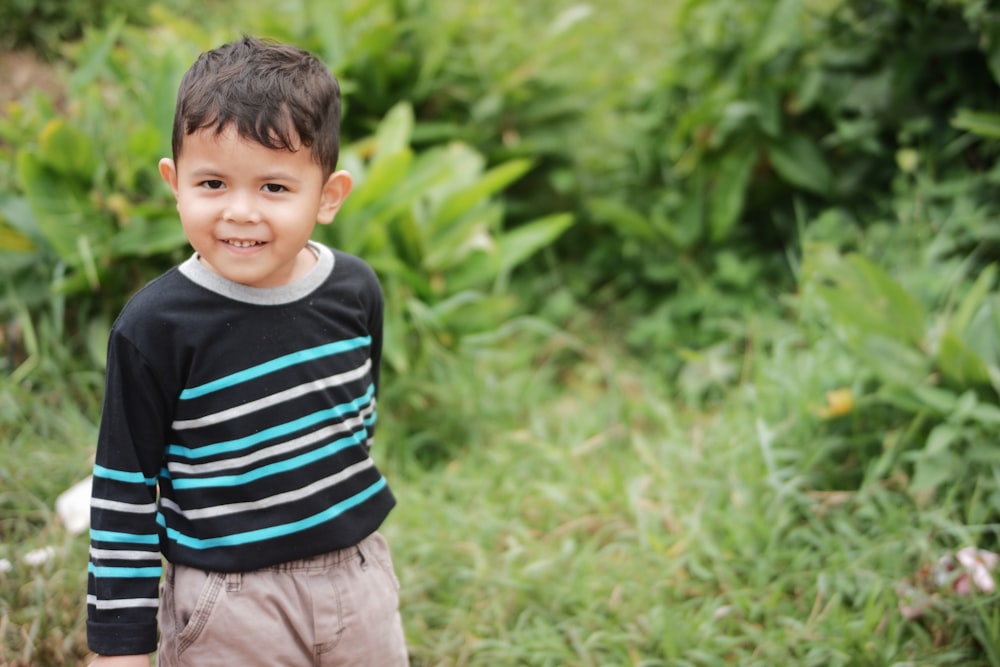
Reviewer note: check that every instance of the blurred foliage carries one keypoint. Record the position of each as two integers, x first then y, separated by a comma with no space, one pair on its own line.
914,303
45,25
692,165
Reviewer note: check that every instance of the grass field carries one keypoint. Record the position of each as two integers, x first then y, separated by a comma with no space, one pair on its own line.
592,517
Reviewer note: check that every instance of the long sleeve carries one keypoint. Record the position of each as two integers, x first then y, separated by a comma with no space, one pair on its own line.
125,562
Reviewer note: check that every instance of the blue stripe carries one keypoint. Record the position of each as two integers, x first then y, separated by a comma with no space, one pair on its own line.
274,365
125,572
281,430
123,476
277,468
123,538
273,532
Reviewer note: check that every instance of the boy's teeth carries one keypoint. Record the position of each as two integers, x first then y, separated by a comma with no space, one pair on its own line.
242,244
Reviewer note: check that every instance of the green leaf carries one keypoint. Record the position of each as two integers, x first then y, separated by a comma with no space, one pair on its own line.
892,361
731,181
863,298
689,223
941,438
973,300
472,263
67,150
393,135
146,238
901,312
800,162
61,208
450,250
624,219
95,57
406,240
781,30
983,123
939,401
959,362
933,471
985,413
471,312
383,176
521,243
461,201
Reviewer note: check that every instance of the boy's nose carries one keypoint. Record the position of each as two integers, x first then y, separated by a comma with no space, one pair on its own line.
241,208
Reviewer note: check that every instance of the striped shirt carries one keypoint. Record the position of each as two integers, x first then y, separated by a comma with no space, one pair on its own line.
235,434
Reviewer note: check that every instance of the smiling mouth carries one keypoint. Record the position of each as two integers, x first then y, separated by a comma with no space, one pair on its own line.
243,244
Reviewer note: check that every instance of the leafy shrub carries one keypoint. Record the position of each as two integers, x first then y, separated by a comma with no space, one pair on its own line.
931,357
85,215
762,116
445,260
44,25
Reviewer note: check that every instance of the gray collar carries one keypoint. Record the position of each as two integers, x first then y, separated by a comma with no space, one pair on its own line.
199,274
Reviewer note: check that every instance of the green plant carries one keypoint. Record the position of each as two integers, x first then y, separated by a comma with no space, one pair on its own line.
44,25
87,216
431,225
759,113
438,241
941,368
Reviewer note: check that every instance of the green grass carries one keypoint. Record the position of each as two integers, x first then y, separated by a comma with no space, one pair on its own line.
588,517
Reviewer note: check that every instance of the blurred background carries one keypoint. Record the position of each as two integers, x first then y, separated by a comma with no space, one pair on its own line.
693,334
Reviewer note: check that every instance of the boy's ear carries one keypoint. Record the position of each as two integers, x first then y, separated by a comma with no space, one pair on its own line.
168,172
335,191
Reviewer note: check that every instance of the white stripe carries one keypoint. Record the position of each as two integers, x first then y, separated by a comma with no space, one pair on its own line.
274,451
122,604
117,506
274,399
111,554
271,501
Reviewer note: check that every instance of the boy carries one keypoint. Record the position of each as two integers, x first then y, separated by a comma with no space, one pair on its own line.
240,400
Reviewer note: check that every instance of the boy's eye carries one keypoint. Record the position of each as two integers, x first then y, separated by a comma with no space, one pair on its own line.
274,188
212,184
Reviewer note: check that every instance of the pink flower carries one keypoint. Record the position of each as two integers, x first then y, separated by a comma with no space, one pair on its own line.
974,567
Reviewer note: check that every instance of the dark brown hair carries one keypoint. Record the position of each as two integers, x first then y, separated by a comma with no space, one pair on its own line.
274,94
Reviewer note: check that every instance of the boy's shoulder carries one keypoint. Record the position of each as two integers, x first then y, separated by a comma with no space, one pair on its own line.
355,272
154,304
347,264
148,299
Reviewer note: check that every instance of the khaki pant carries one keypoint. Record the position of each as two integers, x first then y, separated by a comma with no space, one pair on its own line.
335,610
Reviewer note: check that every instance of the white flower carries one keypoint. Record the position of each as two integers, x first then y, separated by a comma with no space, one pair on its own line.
5,565
39,556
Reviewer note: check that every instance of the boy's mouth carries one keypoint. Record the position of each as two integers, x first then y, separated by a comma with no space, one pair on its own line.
242,244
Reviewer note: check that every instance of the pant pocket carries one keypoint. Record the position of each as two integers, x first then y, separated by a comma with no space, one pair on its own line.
195,594
377,549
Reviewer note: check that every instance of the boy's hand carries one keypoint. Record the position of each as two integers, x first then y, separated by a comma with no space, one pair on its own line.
121,661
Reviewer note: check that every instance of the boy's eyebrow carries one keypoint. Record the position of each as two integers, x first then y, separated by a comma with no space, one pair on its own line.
204,172
279,176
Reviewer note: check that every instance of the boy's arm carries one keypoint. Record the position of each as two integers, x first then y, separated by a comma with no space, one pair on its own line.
125,564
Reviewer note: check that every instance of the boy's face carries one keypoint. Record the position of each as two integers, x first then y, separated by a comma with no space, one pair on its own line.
248,210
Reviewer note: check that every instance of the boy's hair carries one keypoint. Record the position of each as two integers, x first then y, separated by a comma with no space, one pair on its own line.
269,92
